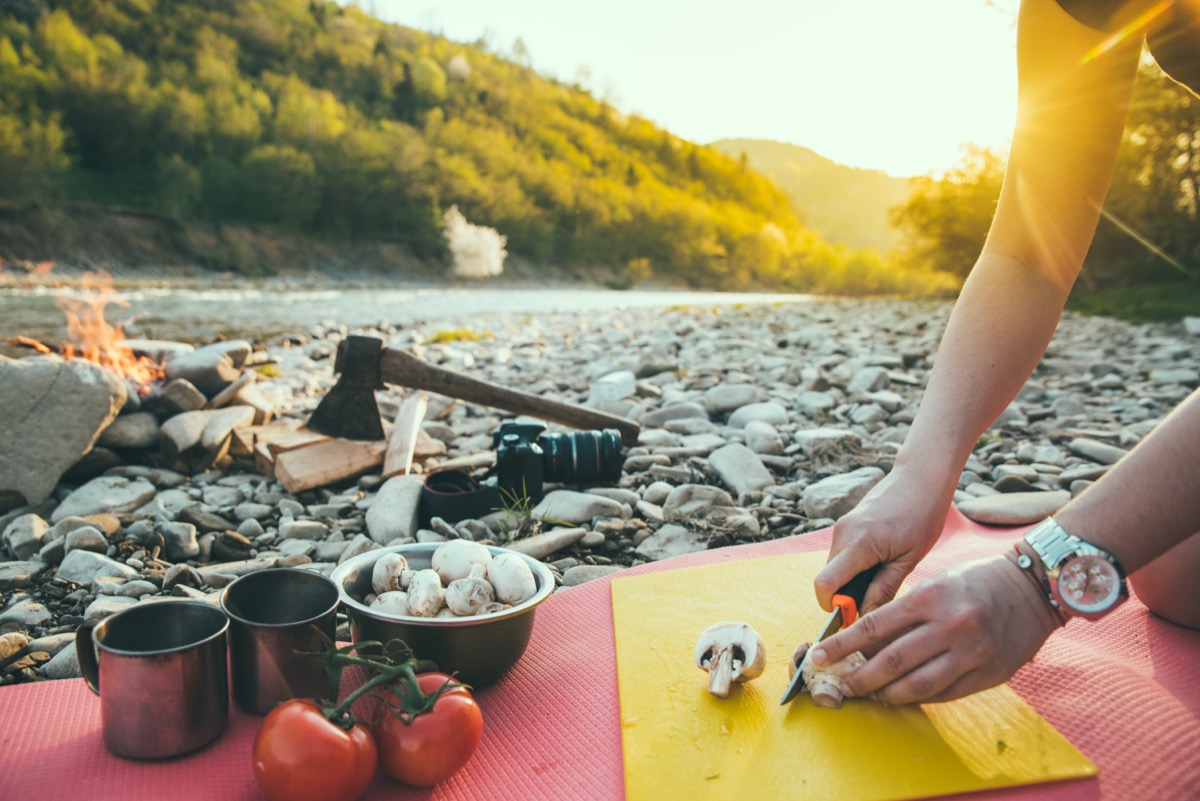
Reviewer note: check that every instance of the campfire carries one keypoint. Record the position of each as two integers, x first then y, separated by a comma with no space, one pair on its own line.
91,337
103,399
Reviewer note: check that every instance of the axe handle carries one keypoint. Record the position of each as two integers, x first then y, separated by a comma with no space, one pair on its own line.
403,368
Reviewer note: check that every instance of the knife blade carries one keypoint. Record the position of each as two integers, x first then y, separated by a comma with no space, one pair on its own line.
846,603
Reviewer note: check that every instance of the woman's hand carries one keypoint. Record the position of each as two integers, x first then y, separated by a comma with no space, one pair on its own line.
968,628
895,525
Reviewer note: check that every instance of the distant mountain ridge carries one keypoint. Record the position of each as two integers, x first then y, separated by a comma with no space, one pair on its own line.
847,205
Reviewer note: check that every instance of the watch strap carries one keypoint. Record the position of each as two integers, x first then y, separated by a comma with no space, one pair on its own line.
1052,543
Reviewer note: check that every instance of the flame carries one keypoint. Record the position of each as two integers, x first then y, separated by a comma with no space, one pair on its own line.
91,337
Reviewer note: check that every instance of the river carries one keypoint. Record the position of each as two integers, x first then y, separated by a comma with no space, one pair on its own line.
260,311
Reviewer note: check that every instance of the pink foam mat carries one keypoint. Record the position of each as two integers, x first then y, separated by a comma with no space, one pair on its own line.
1126,692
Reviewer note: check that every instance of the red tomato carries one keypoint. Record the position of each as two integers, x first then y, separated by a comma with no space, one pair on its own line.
436,743
299,755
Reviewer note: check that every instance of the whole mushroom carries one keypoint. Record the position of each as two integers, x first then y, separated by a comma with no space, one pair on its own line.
731,652
393,602
512,578
454,559
467,596
386,574
425,594
824,682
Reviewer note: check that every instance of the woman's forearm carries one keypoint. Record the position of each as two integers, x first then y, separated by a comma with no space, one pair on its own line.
1150,500
999,329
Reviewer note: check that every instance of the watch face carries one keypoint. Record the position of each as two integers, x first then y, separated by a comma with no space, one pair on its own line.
1089,583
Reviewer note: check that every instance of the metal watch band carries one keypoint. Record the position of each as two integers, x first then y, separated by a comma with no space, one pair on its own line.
1052,543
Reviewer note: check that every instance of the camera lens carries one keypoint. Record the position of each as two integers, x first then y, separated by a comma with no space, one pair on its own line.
582,457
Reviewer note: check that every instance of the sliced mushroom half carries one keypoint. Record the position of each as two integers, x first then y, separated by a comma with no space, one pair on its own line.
730,652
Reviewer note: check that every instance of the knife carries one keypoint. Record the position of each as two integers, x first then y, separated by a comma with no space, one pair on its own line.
846,603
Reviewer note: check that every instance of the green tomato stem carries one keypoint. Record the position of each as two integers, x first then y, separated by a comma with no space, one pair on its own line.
389,669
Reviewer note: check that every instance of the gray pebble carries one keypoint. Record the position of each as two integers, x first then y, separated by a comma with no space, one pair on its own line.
250,510
53,643
27,613
1014,508
303,529
581,574
86,538
106,605
64,664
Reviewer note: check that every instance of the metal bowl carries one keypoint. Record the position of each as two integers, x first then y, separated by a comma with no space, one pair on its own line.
477,649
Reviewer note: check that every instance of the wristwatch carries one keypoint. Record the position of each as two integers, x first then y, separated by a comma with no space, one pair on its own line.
1078,578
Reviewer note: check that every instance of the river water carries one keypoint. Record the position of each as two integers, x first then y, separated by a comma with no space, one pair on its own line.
190,314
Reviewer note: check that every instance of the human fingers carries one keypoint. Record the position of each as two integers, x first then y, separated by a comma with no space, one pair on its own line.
869,632
969,683
930,680
906,659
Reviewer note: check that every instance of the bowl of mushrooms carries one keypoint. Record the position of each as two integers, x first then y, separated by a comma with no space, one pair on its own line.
467,606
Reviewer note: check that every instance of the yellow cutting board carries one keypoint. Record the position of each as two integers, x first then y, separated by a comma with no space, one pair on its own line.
680,742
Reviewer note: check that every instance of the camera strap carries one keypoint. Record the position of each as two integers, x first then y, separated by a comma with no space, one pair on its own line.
454,495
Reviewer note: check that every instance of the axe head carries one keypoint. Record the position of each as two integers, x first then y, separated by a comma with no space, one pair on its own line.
349,409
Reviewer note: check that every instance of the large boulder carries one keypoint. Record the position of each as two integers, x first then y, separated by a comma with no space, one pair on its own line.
53,411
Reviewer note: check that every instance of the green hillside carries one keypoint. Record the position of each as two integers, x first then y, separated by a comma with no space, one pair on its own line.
311,118
843,204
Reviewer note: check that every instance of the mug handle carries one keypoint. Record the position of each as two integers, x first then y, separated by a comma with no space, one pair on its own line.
85,650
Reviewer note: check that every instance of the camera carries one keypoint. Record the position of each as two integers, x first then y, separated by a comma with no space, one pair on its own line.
526,456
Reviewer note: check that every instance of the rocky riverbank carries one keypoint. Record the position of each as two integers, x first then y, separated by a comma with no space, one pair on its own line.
757,422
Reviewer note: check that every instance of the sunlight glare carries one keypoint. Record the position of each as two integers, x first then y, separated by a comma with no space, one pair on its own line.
1134,28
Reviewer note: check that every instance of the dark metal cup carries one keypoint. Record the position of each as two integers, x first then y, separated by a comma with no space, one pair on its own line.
272,615
159,669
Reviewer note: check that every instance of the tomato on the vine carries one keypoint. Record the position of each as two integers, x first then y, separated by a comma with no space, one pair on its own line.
300,755
425,748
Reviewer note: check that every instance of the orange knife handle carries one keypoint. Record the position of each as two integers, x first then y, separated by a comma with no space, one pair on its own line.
850,596
849,609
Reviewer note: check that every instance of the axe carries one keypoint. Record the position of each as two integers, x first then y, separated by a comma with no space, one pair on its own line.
349,409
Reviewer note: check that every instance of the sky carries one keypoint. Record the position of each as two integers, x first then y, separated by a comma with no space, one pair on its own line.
896,85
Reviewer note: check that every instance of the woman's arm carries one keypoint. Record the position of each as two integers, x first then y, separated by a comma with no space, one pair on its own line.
973,626
1072,103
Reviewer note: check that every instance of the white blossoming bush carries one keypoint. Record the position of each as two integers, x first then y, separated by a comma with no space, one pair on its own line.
477,251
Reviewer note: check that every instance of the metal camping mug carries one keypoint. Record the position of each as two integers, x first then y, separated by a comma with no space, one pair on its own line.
159,669
273,614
